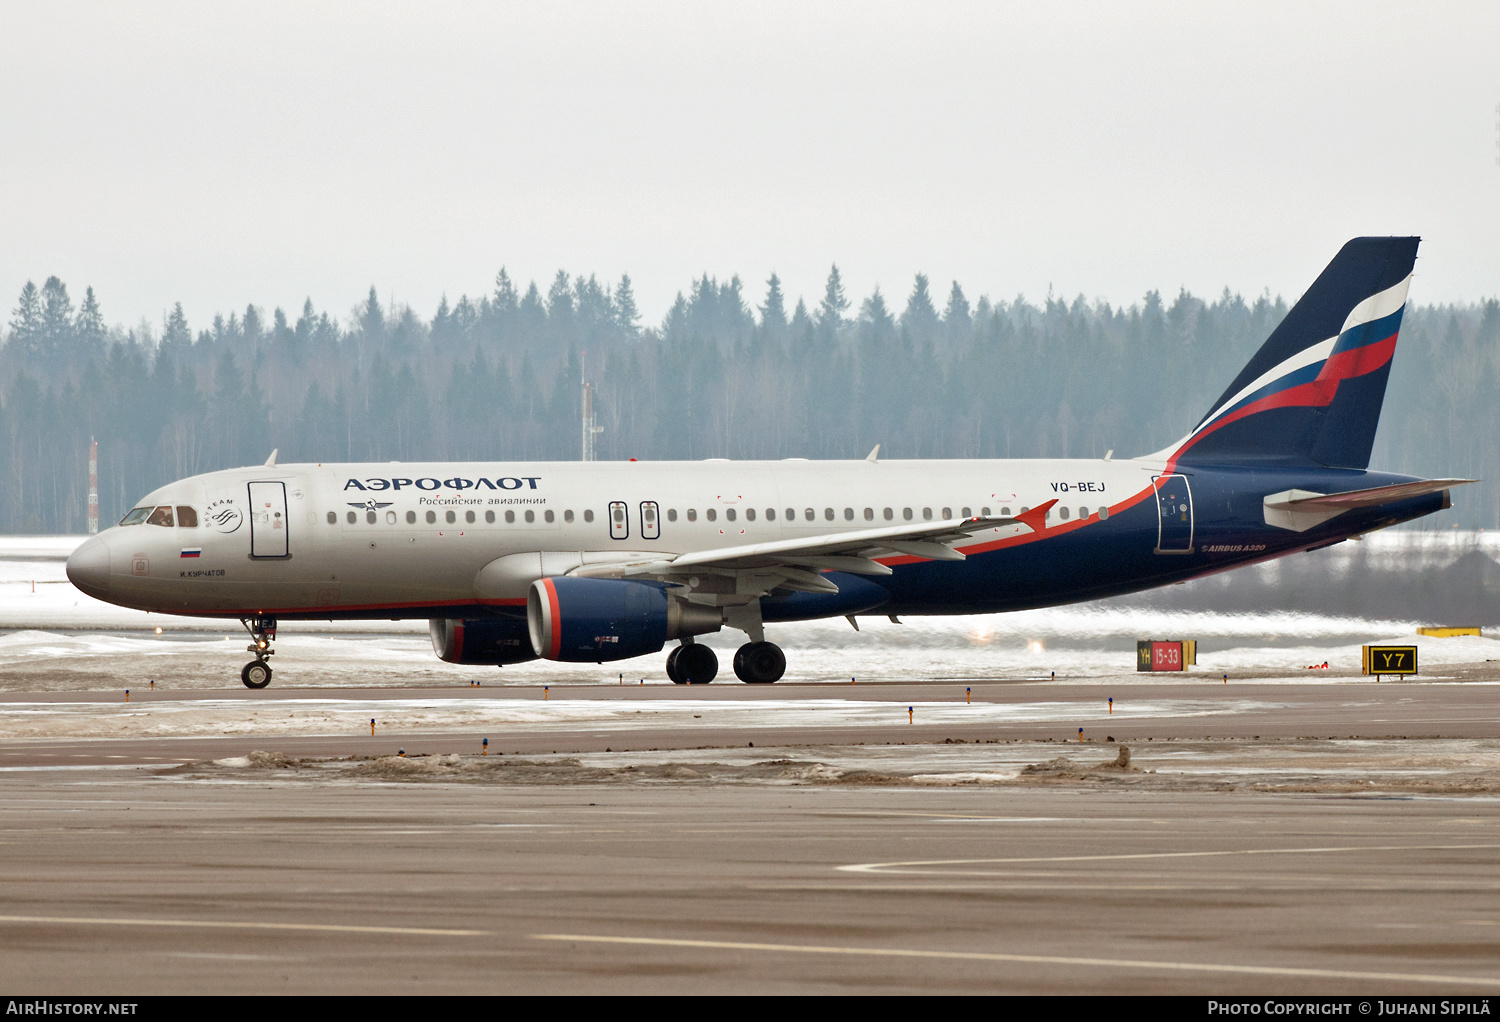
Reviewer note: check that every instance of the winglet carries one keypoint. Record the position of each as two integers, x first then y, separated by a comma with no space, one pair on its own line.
873,453
271,461
1036,518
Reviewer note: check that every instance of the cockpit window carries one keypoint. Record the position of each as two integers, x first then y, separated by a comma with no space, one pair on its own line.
161,516
136,516
187,518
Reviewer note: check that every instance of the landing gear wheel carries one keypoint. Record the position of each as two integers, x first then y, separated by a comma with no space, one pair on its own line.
759,663
672,672
696,664
256,674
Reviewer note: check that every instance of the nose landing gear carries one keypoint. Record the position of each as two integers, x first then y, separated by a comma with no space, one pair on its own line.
257,673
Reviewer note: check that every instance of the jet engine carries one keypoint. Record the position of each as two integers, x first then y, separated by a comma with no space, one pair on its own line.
591,620
486,640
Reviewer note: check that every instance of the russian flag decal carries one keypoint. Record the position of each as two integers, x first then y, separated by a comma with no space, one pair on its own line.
192,551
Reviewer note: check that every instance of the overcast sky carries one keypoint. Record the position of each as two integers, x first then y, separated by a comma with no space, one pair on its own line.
220,154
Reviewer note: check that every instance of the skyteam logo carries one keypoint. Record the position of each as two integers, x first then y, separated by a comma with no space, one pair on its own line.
223,515
370,505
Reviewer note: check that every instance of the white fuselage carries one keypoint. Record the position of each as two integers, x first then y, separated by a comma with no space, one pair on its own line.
411,539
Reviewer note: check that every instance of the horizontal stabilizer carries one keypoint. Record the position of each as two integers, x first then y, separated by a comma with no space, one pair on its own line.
1300,510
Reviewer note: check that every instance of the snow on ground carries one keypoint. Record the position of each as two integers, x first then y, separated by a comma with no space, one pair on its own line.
324,717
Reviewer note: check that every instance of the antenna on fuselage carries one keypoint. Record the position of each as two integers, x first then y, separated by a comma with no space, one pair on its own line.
873,454
271,461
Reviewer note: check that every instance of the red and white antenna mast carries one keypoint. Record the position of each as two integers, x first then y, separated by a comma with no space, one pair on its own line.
93,487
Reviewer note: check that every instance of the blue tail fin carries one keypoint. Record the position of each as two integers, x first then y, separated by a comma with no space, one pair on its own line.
1312,394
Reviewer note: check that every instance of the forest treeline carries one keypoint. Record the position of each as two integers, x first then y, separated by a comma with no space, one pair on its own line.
725,374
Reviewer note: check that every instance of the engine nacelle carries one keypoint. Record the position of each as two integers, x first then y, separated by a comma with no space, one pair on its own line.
486,640
591,620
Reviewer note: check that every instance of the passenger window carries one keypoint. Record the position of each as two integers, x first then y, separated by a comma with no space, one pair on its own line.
1062,513
549,516
729,514
450,517
161,516
749,514
432,518
770,514
411,518
927,514
333,518
530,516
390,518
588,516
828,514
187,518
869,514
136,516
370,517
906,513
809,514
1103,512
692,514
1025,509
351,518
1083,512
848,514
671,514
469,517
968,513
710,514
489,517
510,518
568,517
1004,512
947,513
888,514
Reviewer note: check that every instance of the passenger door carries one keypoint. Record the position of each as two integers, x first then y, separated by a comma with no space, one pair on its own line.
268,521
1174,509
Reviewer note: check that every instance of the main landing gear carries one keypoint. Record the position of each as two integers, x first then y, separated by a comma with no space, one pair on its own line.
257,673
758,663
692,664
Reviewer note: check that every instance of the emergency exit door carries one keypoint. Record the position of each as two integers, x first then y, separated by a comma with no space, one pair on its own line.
1174,509
268,522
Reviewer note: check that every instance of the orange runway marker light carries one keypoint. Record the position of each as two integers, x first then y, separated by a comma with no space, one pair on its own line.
851,679
968,694
401,753
545,690
1080,734
1111,704
153,684
127,695
372,727
622,679
485,750
909,710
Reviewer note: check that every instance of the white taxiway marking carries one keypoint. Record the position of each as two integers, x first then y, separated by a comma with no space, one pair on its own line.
926,866
990,956
244,925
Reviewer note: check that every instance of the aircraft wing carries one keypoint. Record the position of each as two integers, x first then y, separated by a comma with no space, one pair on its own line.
799,563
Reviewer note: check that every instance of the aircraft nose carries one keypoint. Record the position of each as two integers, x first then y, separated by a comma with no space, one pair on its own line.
88,567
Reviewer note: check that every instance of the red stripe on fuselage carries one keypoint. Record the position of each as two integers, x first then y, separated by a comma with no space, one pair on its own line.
1028,537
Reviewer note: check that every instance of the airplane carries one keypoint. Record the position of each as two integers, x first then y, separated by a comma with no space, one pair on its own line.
591,562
